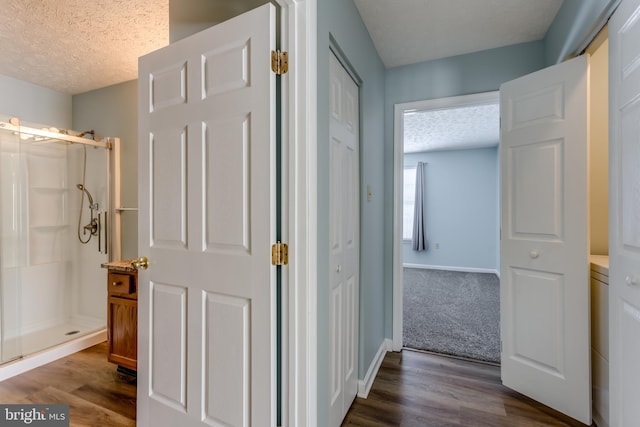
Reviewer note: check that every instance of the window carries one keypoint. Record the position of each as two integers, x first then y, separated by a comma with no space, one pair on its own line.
408,201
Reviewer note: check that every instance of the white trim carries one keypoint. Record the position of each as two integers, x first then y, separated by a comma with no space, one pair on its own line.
452,268
299,208
398,185
450,102
114,238
48,135
25,364
398,169
286,283
364,385
309,122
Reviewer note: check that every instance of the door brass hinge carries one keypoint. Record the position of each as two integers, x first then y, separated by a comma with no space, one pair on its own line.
280,254
279,62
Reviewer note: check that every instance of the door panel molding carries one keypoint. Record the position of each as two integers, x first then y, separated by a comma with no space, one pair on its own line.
544,247
344,250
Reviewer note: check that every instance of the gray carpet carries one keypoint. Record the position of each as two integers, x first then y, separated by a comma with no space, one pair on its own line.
453,313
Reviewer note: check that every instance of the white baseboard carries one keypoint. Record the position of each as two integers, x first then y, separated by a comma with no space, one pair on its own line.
449,268
364,385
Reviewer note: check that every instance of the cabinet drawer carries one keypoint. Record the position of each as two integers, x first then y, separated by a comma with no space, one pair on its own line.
122,284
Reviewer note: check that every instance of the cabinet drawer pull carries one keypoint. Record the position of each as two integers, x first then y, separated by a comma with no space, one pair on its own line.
118,283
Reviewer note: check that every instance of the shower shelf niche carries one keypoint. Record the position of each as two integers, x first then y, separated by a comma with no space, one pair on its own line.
46,244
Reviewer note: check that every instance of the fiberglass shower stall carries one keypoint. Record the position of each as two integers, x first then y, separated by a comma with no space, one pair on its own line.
56,189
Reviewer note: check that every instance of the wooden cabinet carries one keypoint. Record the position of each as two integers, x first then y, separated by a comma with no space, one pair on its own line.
122,318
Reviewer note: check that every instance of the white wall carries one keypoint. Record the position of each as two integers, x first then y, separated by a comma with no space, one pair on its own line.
89,280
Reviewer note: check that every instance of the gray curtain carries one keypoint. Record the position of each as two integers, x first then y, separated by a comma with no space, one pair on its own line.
419,239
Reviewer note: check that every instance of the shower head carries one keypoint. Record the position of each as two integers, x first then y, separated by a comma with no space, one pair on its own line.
82,188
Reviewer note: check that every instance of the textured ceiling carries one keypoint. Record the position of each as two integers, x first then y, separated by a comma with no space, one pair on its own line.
452,128
74,46
410,31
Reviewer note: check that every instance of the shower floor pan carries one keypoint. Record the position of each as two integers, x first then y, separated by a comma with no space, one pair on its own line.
46,338
46,345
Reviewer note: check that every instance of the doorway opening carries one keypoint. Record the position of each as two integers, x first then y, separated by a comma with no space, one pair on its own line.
446,291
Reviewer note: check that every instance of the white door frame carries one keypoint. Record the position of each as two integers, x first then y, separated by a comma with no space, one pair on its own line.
299,213
398,173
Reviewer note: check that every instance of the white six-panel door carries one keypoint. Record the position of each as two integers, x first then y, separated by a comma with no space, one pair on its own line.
624,214
344,214
207,341
544,246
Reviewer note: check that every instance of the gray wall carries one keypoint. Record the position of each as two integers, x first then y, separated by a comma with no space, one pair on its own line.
113,111
36,104
189,17
461,201
459,75
340,19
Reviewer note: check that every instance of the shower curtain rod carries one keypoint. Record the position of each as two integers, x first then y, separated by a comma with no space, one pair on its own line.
54,135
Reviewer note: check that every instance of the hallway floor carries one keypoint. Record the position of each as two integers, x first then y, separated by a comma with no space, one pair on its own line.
97,394
426,390
411,389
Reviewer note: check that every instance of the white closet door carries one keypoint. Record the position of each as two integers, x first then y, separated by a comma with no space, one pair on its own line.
344,214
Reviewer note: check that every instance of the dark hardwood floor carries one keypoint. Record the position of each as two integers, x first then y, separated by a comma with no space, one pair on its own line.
96,393
411,389
421,389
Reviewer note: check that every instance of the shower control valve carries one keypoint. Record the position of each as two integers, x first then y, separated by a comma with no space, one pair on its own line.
92,227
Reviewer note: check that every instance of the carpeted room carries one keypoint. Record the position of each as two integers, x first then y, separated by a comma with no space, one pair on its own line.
451,312
450,249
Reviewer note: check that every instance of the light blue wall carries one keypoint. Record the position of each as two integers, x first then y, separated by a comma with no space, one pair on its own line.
36,104
461,196
459,75
340,19
575,25
113,111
